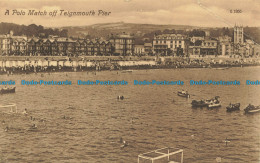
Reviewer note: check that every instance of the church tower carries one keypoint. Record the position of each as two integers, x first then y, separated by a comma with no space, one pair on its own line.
238,35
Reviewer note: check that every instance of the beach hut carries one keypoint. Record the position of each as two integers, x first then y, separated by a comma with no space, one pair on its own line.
39,63
61,63
45,63
68,64
20,63
74,63
8,64
53,63
90,64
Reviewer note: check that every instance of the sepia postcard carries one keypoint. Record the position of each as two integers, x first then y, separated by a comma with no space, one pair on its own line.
129,81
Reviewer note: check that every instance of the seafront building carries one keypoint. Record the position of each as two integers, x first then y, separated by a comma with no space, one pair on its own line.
226,47
243,47
124,45
68,47
238,35
139,50
170,44
209,47
10,43
53,46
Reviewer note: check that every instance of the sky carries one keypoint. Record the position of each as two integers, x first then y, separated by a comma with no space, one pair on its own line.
203,13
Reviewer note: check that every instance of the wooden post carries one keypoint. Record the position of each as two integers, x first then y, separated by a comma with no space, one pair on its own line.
168,155
182,157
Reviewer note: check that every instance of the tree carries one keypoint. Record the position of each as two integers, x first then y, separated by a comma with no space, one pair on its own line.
197,33
64,33
166,31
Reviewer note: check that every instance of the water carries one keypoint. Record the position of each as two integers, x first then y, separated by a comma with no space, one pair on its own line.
149,117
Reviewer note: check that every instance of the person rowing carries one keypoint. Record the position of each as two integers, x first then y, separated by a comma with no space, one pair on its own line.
6,129
120,97
124,143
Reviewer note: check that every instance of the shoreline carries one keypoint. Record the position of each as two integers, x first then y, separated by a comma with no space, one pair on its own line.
127,69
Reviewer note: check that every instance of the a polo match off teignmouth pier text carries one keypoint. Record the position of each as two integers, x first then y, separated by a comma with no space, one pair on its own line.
55,13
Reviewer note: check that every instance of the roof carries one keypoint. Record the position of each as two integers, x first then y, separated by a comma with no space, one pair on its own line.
148,44
121,36
139,46
170,36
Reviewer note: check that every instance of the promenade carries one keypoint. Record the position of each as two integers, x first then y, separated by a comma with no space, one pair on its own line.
20,64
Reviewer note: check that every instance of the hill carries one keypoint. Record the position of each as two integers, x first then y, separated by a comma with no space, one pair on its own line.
104,29
142,32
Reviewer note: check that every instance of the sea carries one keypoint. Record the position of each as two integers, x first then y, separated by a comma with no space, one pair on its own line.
87,123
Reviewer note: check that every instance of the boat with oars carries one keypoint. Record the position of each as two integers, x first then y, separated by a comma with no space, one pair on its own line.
183,94
7,90
233,107
210,103
252,109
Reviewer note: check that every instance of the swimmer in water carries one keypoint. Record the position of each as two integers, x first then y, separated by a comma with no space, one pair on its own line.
124,143
34,126
6,129
32,118
25,111
226,141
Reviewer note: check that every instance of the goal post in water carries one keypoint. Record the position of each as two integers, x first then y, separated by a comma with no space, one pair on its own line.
13,107
162,155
